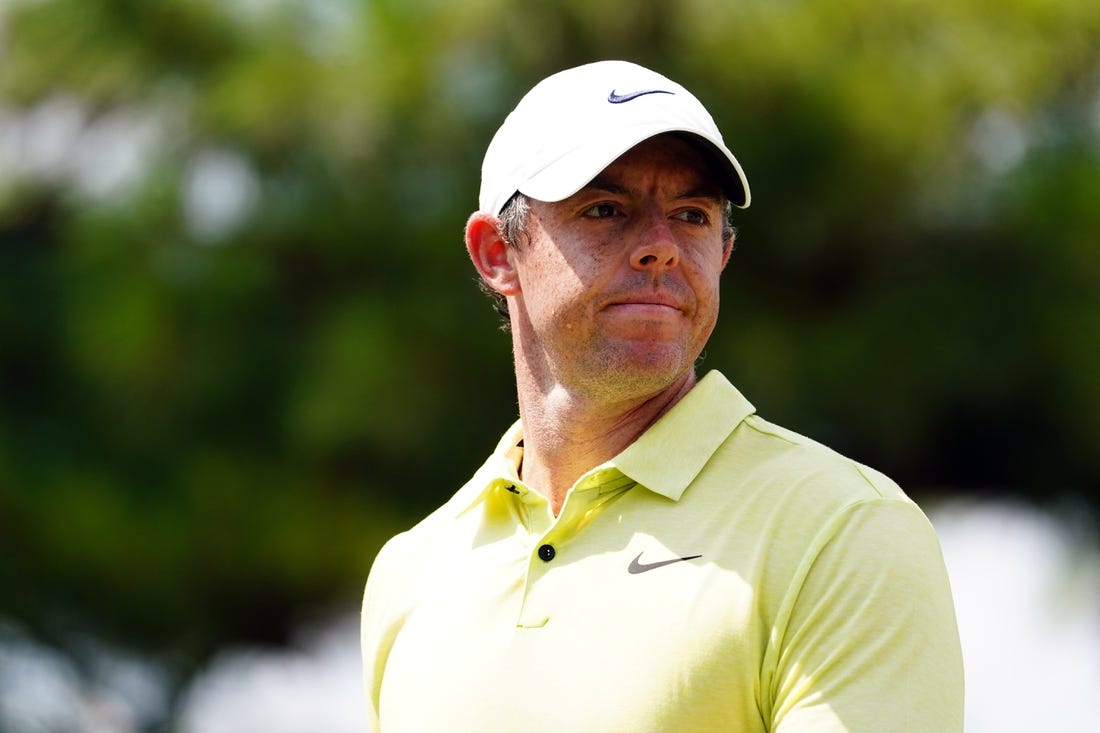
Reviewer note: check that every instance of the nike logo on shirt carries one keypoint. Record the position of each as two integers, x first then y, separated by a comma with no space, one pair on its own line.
637,566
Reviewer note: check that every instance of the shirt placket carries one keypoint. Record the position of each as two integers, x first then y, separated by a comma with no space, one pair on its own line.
550,537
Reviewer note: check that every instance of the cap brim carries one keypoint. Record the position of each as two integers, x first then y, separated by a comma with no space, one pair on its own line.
573,171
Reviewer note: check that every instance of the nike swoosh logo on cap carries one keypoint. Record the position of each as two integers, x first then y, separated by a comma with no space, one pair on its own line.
615,98
637,566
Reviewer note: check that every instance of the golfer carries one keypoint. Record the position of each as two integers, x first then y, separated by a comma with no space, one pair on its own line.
642,552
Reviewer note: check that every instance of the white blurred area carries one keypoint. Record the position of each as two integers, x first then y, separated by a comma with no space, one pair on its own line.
105,159
1026,585
313,687
1027,596
317,687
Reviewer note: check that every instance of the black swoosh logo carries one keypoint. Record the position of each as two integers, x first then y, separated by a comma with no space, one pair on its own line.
620,98
636,566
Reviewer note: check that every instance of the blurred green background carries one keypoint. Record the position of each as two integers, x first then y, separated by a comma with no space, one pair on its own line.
240,341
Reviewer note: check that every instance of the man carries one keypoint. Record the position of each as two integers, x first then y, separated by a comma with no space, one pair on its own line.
642,552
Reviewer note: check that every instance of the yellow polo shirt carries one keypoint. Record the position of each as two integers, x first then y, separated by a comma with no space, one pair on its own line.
720,574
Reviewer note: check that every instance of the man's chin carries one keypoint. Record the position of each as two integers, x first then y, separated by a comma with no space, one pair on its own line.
641,372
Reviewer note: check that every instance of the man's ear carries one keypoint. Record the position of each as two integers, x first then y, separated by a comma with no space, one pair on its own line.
727,249
491,255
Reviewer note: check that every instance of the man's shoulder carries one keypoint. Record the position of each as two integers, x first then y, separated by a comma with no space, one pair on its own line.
794,455
408,559
442,517
776,470
715,437
440,524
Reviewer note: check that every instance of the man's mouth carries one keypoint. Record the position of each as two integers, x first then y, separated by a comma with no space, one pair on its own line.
649,302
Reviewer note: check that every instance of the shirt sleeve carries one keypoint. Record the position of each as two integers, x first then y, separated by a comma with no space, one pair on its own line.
378,629
869,640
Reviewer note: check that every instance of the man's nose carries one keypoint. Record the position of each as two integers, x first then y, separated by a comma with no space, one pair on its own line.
657,248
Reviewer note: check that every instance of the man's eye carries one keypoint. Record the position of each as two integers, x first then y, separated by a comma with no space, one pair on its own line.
693,216
600,211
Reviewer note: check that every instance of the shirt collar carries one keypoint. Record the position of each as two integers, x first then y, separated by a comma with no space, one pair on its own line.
668,456
665,459
500,469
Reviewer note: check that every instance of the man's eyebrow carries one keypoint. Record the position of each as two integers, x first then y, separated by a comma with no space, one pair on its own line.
712,192
598,184
705,191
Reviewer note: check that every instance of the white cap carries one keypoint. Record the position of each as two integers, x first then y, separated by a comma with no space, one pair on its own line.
572,125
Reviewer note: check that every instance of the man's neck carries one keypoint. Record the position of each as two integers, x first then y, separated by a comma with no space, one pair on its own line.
566,434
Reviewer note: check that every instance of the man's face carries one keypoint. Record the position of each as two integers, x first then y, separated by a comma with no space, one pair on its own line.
618,284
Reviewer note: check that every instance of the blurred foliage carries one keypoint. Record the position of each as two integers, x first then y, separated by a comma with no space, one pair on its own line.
240,344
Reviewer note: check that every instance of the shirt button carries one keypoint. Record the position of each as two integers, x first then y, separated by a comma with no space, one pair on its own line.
547,552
